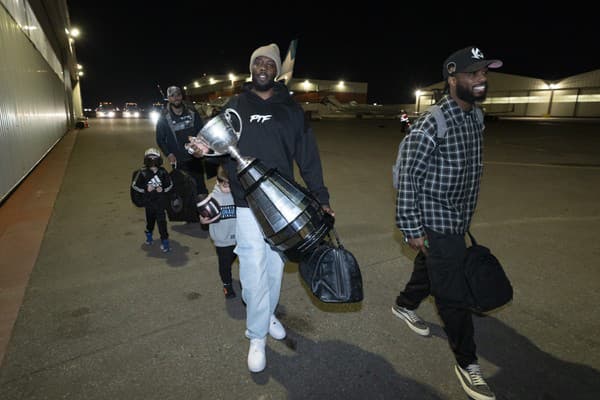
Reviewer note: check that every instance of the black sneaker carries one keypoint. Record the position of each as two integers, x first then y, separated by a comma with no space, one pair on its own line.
412,319
472,382
228,291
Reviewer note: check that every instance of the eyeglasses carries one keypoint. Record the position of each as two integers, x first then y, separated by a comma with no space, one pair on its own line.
223,182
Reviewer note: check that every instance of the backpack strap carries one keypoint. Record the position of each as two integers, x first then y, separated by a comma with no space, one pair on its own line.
442,128
440,120
479,114
169,119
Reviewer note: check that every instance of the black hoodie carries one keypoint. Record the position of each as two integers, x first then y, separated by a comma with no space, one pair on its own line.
274,131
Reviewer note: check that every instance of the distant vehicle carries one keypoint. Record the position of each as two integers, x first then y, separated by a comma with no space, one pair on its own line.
82,122
89,112
155,110
106,110
131,110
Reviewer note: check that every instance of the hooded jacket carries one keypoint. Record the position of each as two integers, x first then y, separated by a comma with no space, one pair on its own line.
222,231
275,132
172,131
161,178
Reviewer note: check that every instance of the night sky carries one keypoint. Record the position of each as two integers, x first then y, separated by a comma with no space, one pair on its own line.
128,47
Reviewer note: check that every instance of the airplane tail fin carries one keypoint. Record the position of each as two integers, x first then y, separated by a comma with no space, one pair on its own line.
287,67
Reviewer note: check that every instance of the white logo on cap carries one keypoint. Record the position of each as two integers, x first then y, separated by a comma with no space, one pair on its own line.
476,53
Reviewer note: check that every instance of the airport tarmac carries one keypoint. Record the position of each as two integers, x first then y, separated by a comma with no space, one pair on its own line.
105,317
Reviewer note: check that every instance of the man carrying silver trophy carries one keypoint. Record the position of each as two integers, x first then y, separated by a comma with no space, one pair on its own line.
263,132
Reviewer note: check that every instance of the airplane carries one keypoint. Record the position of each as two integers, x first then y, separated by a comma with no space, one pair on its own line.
334,107
328,107
287,67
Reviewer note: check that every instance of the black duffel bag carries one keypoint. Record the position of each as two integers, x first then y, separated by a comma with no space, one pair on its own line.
182,203
489,287
332,273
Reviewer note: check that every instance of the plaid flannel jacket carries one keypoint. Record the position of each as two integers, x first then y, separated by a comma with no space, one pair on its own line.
439,177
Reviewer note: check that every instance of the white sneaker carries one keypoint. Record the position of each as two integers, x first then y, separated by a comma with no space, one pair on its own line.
257,359
276,329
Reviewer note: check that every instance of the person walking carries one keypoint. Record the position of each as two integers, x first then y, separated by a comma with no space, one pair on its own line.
274,131
177,122
404,121
438,186
154,182
222,231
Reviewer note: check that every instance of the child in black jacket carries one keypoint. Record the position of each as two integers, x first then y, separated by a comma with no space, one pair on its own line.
155,182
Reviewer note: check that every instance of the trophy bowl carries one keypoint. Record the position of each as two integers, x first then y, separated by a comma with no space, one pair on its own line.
218,133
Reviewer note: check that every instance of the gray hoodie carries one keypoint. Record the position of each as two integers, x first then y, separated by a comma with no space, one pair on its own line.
222,231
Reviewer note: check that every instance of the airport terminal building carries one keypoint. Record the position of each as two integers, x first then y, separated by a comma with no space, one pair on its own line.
520,96
576,96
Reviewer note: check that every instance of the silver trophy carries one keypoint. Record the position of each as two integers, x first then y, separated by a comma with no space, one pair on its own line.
291,219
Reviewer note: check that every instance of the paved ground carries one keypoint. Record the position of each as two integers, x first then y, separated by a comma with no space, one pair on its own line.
105,317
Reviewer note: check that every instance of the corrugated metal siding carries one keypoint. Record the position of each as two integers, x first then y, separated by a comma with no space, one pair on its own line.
33,114
585,80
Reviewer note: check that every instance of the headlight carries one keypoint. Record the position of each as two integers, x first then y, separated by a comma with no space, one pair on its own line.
136,114
111,114
101,114
154,115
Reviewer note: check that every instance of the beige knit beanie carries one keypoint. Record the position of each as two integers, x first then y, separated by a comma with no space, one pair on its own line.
271,51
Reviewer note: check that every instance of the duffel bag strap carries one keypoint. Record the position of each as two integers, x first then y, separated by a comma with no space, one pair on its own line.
337,238
473,241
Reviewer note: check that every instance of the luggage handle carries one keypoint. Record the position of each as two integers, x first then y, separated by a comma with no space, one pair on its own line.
337,238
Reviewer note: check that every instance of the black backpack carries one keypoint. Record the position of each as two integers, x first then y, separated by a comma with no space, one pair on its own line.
138,198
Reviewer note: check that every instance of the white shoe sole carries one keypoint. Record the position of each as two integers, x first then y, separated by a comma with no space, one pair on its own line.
257,368
421,332
470,392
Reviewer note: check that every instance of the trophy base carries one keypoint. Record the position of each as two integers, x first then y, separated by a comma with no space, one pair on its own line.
291,219
303,249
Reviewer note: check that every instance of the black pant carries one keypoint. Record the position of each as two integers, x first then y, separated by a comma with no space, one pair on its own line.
156,214
195,168
441,275
403,126
226,259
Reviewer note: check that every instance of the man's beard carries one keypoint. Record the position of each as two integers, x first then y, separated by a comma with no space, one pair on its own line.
464,93
262,87
177,105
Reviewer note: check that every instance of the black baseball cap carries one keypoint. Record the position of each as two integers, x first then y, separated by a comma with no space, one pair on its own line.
469,59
